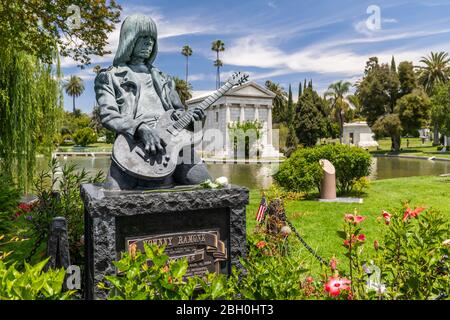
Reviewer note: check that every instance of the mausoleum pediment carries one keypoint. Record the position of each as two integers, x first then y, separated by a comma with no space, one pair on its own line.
251,89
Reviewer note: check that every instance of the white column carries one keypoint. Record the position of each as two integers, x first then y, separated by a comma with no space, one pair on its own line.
256,112
227,138
269,125
242,114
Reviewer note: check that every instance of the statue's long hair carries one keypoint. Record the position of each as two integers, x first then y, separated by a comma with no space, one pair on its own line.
132,28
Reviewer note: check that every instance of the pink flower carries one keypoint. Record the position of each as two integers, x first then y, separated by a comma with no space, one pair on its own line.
333,264
387,217
358,219
261,244
347,243
348,217
335,285
412,213
362,237
309,279
355,219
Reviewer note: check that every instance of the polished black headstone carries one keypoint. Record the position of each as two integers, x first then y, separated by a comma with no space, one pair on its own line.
205,225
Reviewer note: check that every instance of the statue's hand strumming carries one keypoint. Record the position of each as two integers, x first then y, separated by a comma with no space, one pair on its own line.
150,137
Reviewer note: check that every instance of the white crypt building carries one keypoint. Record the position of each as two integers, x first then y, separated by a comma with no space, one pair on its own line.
248,102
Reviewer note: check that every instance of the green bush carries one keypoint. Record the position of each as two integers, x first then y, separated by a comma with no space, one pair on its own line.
32,283
302,171
84,137
163,280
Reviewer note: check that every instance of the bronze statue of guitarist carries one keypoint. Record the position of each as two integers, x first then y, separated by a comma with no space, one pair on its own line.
132,95
140,104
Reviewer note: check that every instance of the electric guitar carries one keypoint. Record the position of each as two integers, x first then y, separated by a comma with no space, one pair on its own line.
131,157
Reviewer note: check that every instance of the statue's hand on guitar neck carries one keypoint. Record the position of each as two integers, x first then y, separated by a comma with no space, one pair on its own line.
153,144
197,114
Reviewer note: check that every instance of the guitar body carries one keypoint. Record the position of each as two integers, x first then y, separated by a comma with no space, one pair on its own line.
130,154
131,157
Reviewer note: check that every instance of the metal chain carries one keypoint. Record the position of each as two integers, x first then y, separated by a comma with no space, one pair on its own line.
311,250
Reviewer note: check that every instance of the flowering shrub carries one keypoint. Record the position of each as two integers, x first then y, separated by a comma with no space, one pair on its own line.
412,255
411,260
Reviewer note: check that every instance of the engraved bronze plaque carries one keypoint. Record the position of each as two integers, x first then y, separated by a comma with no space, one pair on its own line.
203,249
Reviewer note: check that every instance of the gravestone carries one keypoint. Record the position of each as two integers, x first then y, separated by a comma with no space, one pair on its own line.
205,225
58,244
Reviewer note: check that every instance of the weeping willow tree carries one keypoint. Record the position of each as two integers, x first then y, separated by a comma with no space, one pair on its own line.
30,112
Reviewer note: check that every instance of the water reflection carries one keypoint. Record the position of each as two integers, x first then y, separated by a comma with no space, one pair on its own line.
260,175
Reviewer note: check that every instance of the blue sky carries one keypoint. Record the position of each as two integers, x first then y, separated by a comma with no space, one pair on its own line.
281,40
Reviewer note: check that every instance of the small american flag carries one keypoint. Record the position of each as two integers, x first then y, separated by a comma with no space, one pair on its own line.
261,210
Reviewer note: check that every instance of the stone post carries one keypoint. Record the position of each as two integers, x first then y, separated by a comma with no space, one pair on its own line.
328,184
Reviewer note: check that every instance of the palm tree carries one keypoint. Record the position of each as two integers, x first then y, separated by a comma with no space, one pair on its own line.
74,88
218,46
336,92
187,52
97,69
183,89
218,64
436,70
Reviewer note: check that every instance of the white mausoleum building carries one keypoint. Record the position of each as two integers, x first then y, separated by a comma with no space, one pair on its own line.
247,102
359,134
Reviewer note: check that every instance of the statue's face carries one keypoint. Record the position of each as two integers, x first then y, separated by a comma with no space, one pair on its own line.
143,47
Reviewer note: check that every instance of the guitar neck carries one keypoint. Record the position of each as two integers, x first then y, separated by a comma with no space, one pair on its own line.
186,119
216,96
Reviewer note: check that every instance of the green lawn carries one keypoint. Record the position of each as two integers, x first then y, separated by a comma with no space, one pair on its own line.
319,222
416,148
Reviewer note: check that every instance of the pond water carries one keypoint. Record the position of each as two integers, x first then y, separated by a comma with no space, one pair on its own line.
259,175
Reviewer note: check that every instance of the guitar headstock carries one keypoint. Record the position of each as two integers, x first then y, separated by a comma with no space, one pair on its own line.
238,78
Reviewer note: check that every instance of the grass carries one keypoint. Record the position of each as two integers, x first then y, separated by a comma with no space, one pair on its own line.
318,222
415,148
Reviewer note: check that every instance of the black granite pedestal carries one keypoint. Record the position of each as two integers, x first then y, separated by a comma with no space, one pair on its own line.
205,225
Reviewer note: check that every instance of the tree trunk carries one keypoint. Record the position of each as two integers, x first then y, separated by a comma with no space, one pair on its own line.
187,69
73,104
436,141
395,143
341,126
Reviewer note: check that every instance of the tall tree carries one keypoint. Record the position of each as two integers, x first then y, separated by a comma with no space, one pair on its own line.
187,52
407,78
440,107
377,92
290,108
393,65
218,46
310,123
279,102
336,93
183,88
74,88
75,28
436,70
299,90
413,110
31,108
